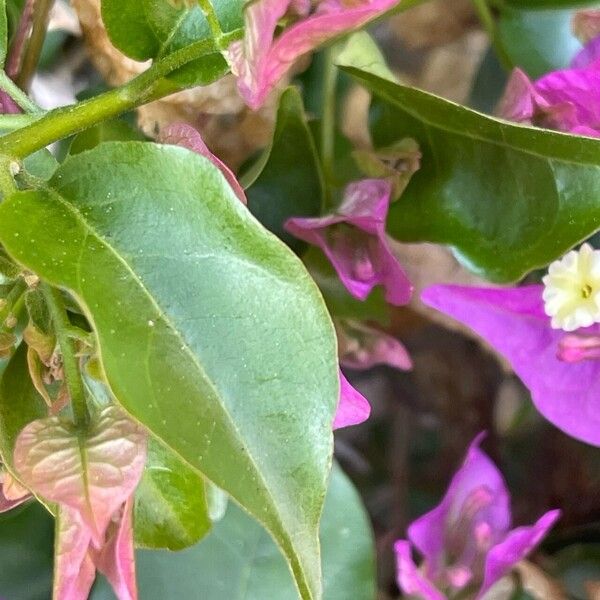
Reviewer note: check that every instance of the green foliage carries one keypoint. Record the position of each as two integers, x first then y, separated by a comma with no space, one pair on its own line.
229,381
20,403
170,506
538,41
3,33
287,180
507,198
27,553
153,29
239,560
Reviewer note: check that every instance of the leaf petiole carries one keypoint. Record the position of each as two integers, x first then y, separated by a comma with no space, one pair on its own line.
73,380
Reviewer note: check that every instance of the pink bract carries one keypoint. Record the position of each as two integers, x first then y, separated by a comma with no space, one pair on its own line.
466,540
353,407
513,321
182,134
567,100
354,240
260,60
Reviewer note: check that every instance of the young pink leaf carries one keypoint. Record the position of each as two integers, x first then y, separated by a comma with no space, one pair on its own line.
74,570
182,134
76,558
116,560
92,472
259,61
12,493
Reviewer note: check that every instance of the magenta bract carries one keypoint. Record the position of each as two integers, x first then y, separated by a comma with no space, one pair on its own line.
466,541
354,240
566,100
353,407
513,321
182,134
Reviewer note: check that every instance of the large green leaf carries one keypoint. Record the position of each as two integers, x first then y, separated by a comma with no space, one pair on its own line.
26,544
287,181
538,41
239,561
210,330
170,506
151,29
508,198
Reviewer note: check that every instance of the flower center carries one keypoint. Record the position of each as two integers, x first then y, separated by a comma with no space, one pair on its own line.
586,291
572,289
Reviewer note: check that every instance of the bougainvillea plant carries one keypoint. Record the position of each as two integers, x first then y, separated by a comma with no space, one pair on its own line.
179,335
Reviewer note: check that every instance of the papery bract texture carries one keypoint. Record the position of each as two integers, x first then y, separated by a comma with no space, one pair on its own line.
259,61
354,240
466,540
513,321
182,134
92,473
353,407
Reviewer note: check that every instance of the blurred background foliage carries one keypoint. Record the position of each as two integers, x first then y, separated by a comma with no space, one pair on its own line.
422,421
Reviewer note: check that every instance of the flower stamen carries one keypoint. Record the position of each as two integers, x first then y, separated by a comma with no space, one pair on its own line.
572,289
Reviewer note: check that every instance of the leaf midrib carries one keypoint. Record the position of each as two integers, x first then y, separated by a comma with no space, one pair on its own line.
186,348
471,136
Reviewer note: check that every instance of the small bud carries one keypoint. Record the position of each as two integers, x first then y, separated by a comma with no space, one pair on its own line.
14,167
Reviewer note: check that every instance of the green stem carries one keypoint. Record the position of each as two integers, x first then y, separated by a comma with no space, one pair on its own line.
15,121
11,299
62,122
330,75
33,50
7,181
62,326
17,94
487,20
213,21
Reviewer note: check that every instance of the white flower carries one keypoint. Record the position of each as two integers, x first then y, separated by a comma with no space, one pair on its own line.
572,289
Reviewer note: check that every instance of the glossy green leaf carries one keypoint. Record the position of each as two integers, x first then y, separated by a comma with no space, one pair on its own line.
151,29
362,51
20,403
211,332
41,164
116,130
538,41
507,198
170,507
239,560
26,548
288,180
